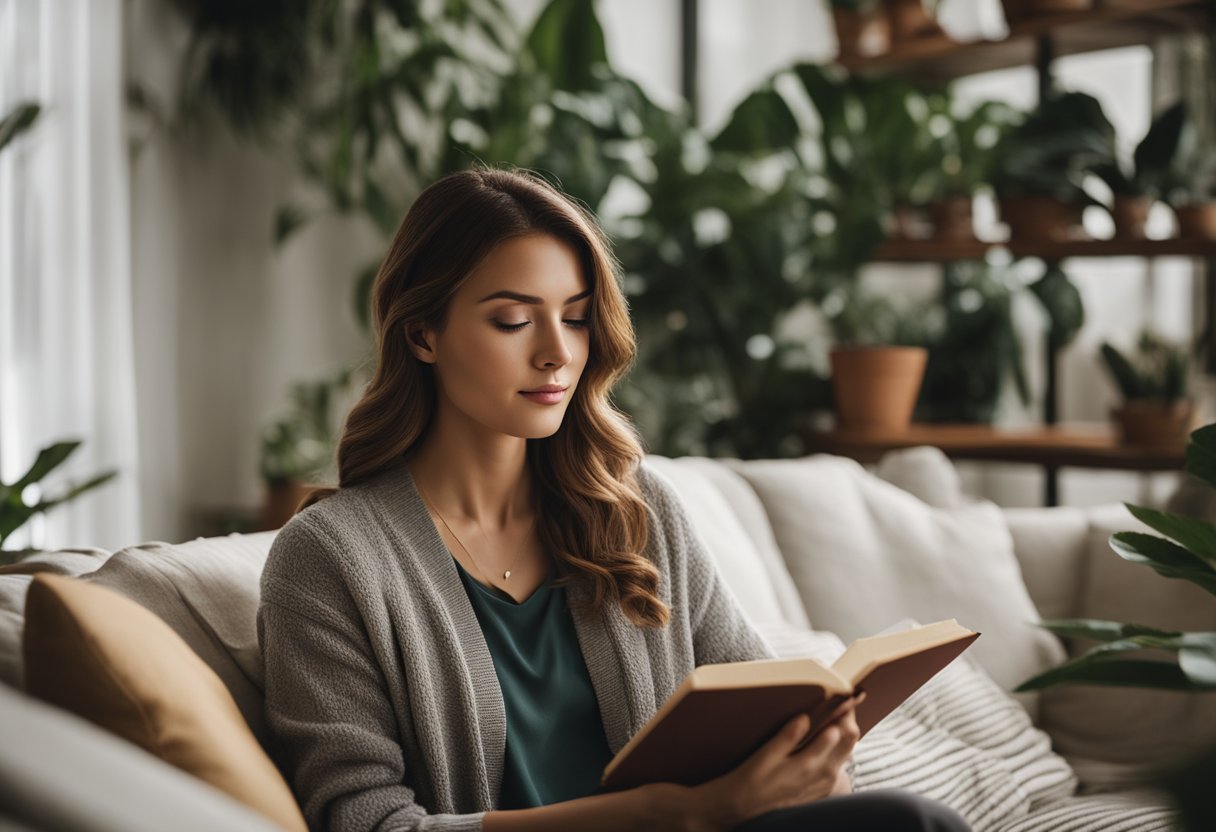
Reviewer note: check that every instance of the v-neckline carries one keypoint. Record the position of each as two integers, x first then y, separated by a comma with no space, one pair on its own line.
492,591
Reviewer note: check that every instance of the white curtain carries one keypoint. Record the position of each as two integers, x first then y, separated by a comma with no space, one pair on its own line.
66,361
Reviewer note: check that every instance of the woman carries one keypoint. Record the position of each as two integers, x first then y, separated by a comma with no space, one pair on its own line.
499,594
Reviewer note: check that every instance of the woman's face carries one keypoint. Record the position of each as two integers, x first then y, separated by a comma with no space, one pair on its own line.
515,341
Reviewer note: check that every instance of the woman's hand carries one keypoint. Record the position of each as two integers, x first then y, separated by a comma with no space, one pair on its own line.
777,776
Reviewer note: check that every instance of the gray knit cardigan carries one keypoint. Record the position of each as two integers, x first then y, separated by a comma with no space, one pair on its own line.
381,697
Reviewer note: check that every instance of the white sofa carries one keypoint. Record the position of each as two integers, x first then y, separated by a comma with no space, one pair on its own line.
817,551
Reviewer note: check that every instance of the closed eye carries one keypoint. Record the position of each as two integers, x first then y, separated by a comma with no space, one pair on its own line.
574,323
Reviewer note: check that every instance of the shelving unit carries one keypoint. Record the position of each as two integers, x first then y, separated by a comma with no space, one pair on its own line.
1109,25
932,251
1034,42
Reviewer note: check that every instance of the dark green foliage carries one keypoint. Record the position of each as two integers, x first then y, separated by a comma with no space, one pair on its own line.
1186,551
1158,370
16,122
1053,149
14,511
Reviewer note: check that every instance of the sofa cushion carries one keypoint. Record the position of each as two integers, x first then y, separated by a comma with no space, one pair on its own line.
207,590
962,740
15,576
1050,547
84,779
1116,736
864,554
100,655
731,521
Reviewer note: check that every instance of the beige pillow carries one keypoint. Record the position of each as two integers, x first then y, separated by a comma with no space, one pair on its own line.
97,654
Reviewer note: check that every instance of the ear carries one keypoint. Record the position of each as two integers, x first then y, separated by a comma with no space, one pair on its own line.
418,340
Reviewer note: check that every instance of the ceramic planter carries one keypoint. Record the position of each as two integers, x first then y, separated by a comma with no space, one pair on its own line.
876,387
1037,218
909,20
952,219
1130,214
1155,422
1197,222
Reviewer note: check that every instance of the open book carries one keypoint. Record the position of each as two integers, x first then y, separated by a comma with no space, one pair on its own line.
721,713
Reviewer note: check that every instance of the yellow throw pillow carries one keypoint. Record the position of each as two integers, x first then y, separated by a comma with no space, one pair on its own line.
102,656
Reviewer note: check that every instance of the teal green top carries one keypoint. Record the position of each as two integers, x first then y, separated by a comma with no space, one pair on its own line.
556,748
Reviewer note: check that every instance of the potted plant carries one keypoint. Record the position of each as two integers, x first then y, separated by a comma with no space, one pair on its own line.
1135,188
1041,167
298,448
968,143
878,362
862,30
912,19
1191,189
1153,382
1127,654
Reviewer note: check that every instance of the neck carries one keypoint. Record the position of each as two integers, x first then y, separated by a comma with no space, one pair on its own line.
468,472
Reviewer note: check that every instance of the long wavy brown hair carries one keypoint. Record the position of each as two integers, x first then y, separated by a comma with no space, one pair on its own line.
591,512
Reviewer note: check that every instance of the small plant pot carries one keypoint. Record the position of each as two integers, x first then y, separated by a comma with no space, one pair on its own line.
875,388
281,501
1019,9
1035,218
861,34
1196,222
909,20
1130,214
1155,423
953,219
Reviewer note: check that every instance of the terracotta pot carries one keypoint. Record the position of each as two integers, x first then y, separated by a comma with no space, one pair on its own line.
861,34
876,387
909,20
952,219
1037,218
1197,222
281,501
1130,214
1155,422
1018,9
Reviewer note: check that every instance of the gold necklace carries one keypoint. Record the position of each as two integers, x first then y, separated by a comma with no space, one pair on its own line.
506,575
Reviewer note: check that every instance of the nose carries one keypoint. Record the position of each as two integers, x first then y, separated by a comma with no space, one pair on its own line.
553,351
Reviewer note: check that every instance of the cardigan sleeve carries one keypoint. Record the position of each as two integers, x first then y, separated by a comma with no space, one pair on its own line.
721,631
329,715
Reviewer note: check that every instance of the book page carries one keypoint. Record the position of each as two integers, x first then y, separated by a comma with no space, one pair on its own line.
863,653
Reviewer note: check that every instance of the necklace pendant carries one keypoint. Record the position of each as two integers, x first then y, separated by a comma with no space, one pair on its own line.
506,576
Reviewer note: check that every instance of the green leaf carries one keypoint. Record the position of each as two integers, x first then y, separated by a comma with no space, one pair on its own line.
1104,631
567,42
1062,302
19,120
49,458
76,490
1134,673
287,220
762,123
1155,154
1197,658
1165,557
1196,536
1201,454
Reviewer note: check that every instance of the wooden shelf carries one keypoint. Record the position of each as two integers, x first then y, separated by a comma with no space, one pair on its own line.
1109,25
931,251
1084,446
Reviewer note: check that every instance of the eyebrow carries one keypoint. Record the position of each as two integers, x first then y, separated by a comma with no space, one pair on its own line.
532,299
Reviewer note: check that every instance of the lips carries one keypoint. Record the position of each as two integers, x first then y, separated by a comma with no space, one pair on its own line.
549,394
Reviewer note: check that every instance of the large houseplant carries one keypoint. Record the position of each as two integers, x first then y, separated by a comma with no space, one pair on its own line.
1183,549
